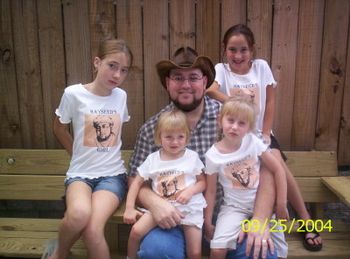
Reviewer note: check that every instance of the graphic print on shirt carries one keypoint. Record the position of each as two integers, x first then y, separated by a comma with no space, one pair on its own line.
250,90
242,173
102,131
169,184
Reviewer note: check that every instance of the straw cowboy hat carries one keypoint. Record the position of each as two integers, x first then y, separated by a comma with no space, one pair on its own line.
186,57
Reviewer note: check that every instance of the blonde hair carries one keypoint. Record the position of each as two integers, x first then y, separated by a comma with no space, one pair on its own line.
171,121
241,107
110,46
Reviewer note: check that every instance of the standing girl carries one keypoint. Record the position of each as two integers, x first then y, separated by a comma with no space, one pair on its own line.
96,178
234,161
242,74
176,175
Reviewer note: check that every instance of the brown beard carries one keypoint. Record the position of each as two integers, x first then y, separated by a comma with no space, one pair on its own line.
187,107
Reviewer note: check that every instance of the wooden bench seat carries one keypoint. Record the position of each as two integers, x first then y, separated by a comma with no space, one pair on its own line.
39,174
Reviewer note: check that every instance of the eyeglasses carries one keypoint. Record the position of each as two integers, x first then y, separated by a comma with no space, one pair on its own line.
180,79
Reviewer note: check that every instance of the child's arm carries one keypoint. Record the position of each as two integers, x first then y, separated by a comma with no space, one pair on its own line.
275,166
131,214
210,196
269,113
63,134
186,194
214,92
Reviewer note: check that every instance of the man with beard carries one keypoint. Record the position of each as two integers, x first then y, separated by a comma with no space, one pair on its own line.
186,78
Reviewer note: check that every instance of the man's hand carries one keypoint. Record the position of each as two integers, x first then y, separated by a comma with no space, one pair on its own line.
166,215
257,241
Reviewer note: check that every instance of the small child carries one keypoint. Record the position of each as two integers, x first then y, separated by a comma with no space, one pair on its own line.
234,161
176,175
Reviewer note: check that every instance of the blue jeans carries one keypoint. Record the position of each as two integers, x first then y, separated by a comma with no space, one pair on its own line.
170,244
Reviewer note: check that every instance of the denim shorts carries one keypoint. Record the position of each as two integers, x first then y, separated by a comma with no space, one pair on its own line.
115,184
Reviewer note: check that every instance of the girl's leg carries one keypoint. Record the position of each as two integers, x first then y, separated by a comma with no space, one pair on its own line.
104,204
218,253
138,231
76,217
193,237
295,198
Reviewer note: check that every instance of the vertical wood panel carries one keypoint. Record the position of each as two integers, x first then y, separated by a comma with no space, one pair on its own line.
77,41
51,61
232,12
10,127
182,24
208,29
102,23
283,66
344,137
307,74
129,27
156,48
28,73
260,22
332,73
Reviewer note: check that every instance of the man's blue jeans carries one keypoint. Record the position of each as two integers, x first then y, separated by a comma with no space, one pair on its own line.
166,244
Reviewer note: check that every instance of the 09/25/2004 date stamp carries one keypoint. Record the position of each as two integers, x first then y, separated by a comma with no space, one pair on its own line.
283,225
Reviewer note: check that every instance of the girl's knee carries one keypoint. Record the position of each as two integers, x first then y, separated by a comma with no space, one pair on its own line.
194,254
135,233
94,233
218,253
77,217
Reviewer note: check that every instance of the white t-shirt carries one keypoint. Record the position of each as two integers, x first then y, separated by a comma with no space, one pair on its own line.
238,171
97,124
253,83
171,176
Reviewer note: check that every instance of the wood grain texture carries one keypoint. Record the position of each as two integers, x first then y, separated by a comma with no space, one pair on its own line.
284,50
332,74
10,131
77,41
340,186
129,28
310,31
259,21
52,63
156,48
344,136
30,97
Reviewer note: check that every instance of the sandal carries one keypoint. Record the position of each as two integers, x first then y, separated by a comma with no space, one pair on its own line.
311,247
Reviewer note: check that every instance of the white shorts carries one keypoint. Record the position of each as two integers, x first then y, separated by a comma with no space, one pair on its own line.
193,218
228,226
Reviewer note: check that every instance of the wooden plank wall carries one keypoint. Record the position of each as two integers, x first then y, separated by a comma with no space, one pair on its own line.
48,44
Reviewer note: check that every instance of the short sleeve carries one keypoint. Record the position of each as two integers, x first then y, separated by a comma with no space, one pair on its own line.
144,169
64,110
210,166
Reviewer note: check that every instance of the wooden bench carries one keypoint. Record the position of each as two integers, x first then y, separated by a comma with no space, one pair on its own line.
28,174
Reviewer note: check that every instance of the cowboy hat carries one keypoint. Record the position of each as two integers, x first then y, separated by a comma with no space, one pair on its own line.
186,57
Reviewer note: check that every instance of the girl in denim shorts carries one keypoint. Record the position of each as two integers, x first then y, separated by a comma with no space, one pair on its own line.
96,178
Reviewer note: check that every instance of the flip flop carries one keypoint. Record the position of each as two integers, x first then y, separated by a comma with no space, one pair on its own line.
311,247
50,247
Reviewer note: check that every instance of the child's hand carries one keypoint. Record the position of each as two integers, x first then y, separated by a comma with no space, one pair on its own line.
266,139
209,231
184,196
131,215
282,212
